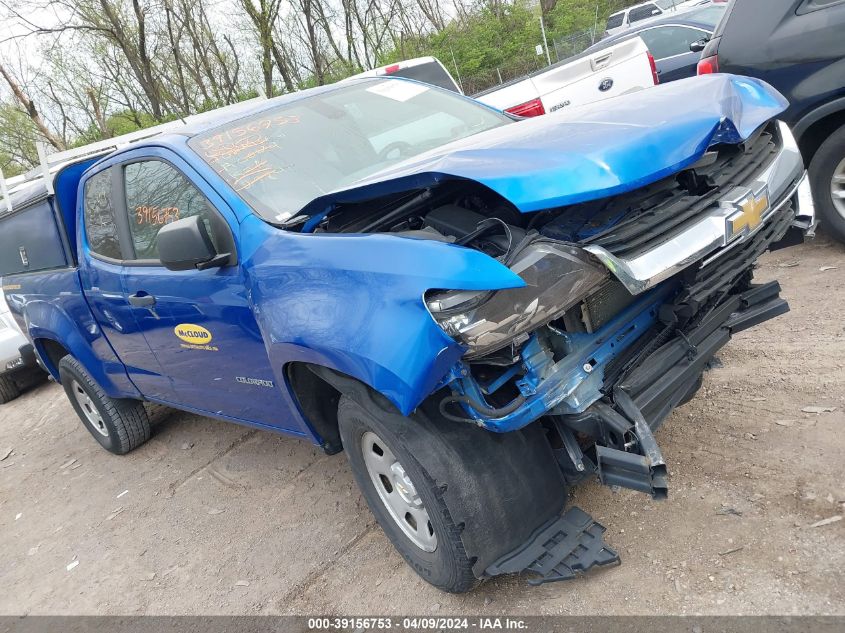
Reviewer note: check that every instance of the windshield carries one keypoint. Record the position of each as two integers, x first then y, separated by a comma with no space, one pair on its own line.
282,158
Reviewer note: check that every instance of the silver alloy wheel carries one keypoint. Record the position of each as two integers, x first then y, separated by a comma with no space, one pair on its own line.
397,492
837,188
89,409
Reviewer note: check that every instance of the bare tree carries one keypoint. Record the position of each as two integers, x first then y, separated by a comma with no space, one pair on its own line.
263,14
31,110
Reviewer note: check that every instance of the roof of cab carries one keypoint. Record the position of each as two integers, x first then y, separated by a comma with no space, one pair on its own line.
188,126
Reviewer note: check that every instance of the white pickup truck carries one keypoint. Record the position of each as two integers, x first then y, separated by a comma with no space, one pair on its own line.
623,68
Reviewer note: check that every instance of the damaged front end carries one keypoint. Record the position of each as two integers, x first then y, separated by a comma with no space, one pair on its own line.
617,323
601,353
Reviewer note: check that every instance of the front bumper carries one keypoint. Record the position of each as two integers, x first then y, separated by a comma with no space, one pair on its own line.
785,181
11,342
20,362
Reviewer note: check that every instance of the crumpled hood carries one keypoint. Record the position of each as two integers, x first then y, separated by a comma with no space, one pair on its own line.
589,152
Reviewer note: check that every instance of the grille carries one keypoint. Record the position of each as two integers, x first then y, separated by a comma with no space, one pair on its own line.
644,219
704,288
704,284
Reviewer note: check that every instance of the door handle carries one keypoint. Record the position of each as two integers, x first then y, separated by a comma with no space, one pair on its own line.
142,300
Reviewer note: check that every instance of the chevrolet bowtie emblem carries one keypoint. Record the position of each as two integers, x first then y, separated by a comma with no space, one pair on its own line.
750,207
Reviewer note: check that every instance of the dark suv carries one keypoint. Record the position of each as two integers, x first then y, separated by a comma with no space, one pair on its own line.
798,46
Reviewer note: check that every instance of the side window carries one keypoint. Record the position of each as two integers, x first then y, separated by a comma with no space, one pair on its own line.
667,41
156,194
615,20
641,13
814,5
99,217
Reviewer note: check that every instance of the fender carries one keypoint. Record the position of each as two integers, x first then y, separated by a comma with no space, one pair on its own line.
355,303
814,116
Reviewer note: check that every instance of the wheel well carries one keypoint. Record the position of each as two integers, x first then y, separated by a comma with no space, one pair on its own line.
818,132
51,353
317,400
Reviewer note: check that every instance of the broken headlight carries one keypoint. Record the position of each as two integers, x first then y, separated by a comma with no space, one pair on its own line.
557,277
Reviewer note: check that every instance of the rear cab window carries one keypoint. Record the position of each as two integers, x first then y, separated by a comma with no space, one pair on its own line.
430,73
615,20
644,12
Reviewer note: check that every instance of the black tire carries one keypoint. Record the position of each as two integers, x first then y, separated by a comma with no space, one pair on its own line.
822,168
124,424
9,389
448,567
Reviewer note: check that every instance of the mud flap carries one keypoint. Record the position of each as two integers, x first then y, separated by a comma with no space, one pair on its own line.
562,549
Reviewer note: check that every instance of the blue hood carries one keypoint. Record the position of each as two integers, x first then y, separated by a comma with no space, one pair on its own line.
590,152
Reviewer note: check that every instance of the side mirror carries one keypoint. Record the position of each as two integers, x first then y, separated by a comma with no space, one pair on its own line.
186,245
699,45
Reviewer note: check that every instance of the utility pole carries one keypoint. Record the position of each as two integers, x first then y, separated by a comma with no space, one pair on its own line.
457,70
545,43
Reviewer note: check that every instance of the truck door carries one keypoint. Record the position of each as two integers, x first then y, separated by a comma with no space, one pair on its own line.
199,324
101,273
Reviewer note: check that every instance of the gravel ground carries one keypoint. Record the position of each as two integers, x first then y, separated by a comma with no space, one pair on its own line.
212,518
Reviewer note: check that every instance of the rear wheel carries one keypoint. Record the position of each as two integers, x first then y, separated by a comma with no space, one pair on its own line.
403,496
8,389
119,425
827,178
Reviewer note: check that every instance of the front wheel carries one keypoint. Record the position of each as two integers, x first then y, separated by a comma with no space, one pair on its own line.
402,495
827,179
119,425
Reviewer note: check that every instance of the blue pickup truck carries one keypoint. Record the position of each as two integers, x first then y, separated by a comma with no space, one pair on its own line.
480,310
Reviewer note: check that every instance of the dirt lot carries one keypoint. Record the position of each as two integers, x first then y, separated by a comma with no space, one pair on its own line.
212,518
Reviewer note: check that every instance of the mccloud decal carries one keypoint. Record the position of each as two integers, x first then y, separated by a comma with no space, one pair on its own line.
195,337
191,333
